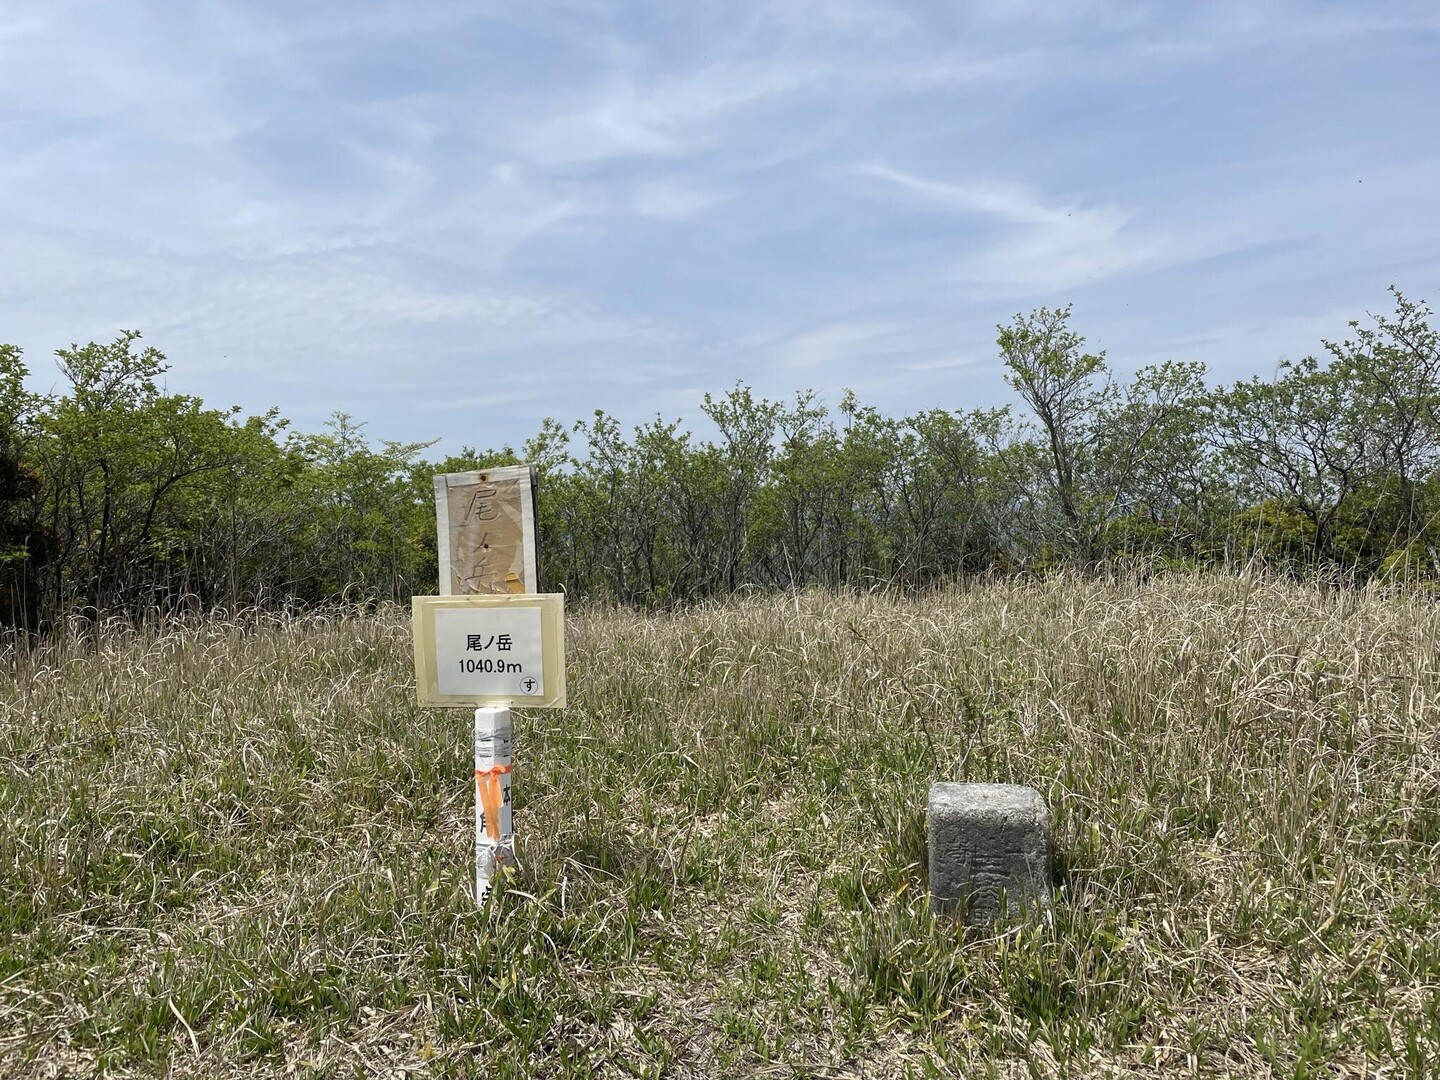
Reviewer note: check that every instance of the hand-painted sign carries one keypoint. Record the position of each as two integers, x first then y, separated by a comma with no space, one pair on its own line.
485,531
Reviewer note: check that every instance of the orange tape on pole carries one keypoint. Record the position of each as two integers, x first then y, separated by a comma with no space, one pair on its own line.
492,797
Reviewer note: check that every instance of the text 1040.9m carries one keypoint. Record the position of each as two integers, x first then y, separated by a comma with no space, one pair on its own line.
489,667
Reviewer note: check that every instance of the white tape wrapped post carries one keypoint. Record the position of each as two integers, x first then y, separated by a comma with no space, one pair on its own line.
494,834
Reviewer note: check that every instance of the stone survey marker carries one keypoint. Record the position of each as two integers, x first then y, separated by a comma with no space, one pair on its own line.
987,840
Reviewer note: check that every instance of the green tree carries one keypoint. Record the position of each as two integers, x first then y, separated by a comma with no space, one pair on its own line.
967,514
803,514
363,514
240,525
1065,387
615,512
1302,437
117,455
1114,449
1154,469
23,545
1393,366
747,426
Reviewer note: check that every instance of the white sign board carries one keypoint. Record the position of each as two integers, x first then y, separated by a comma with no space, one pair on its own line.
490,650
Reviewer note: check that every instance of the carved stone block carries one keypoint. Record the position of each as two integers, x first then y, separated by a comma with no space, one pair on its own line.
987,840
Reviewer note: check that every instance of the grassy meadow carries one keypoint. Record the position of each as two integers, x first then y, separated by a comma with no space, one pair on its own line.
237,847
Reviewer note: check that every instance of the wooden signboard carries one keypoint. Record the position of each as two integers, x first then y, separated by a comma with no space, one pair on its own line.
485,531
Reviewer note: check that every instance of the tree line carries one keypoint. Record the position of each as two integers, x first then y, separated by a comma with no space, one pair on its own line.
120,497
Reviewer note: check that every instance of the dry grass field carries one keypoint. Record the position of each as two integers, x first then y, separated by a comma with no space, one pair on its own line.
238,848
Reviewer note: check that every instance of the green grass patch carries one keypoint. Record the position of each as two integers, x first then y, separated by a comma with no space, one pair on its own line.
240,849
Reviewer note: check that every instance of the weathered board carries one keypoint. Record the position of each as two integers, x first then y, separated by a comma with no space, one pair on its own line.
485,531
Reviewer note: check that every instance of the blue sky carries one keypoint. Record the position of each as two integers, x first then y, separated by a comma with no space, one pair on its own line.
454,219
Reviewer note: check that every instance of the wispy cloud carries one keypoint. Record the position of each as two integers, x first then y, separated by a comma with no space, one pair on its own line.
1018,204
1041,244
587,203
831,344
676,199
661,116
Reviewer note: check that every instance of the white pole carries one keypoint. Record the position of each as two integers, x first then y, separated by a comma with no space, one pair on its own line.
494,833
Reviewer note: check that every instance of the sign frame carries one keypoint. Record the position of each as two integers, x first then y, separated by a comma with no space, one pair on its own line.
552,644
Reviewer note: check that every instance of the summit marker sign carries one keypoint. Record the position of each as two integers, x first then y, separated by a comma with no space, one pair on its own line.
490,639
490,651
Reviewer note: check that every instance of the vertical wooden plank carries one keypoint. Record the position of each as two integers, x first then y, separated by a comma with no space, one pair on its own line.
485,530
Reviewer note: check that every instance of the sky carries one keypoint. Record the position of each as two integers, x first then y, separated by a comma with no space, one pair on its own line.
454,219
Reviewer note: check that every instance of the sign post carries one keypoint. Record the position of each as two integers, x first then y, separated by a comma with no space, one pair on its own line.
492,652
494,832
489,654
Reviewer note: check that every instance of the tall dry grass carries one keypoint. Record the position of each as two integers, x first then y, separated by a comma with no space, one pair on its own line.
237,848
